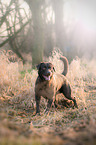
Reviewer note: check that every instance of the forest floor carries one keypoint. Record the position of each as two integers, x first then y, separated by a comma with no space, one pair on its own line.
62,126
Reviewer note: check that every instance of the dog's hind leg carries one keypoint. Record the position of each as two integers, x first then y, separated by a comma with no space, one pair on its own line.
66,90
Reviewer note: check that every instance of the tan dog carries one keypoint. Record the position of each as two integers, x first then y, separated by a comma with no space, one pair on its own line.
49,83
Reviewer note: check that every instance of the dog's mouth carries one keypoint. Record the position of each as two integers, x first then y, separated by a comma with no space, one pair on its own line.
47,78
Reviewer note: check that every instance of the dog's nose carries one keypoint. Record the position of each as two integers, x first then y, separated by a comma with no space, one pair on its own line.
48,73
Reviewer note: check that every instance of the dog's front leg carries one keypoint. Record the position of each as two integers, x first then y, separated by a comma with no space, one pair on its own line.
37,99
48,105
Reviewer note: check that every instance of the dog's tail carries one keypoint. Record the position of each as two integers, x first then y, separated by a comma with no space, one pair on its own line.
65,61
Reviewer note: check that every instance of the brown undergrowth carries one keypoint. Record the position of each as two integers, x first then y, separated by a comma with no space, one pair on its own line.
63,125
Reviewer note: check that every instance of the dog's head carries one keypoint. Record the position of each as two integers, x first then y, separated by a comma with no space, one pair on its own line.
45,71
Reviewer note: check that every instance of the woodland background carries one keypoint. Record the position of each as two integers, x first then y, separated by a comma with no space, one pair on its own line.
36,27
35,30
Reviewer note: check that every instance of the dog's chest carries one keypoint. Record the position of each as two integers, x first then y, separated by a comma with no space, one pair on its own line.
45,89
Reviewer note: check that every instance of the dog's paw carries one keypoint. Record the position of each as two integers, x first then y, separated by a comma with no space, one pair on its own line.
75,103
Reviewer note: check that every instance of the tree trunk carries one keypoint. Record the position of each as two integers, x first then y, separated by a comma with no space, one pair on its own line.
37,42
58,7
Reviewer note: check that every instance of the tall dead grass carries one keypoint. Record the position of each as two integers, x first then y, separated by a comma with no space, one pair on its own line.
20,87
13,84
82,73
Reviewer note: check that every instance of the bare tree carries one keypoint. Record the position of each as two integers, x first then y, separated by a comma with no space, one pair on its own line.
15,26
38,41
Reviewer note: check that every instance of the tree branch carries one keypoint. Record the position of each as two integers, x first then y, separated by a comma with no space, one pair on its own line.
13,36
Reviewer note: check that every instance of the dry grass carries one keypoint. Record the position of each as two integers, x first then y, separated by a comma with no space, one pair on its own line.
16,83
63,125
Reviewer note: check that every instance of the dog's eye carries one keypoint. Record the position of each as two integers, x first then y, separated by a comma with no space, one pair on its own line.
49,67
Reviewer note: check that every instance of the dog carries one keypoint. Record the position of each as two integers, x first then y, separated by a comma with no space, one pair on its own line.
49,83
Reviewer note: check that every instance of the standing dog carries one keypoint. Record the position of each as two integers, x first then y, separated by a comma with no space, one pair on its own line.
49,82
